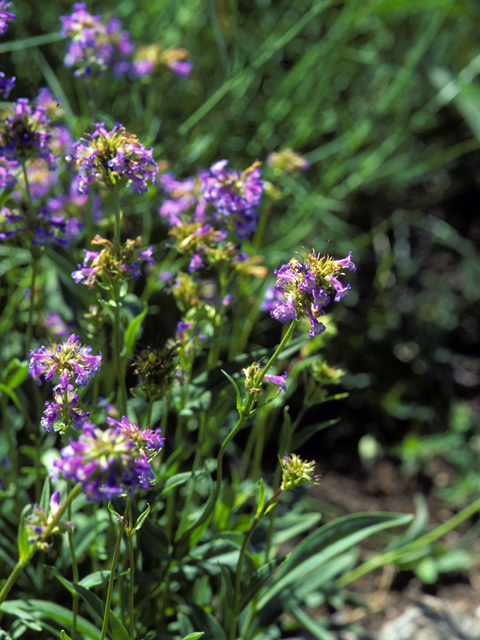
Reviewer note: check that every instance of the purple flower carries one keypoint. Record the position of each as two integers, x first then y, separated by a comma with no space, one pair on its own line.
181,67
25,134
5,16
302,289
38,228
143,439
235,195
113,157
6,85
38,524
55,325
94,45
69,359
8,173
40,181
195,263
106,463
64,408
280,381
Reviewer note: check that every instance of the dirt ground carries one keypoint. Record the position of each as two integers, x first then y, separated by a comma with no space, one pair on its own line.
387,592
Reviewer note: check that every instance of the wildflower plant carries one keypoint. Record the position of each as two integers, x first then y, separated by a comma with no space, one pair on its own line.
150,460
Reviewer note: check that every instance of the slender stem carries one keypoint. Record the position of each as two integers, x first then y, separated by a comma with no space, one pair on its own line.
238,573
116,555
122,391
24,561
12,451
76,577
116,207
387,558
28,343
131,589
244,415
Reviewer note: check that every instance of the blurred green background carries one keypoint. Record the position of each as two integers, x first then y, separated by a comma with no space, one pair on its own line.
383,98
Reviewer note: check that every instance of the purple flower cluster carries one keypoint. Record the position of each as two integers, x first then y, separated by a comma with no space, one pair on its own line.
39,525
113,157
38,228
148,58
69,359
5,16
108,463
303,288
107,266
234,194
64,406
8,173
143,439
25,134
6,84
94,45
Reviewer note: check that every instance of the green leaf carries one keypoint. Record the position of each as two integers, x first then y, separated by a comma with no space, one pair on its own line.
141,518
207,622
64,636
317,629
132,332
40,609
237,391
328,542
304,435
154,539
94,604
426,570
94,579
194,636
302,522
25,550
257,581
179,479
15,373
228,579
261,499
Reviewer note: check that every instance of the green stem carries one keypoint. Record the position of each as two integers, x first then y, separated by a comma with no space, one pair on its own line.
392,556
116,555
238,573
24,561
76,578
122,391
131,600
28,343
116,207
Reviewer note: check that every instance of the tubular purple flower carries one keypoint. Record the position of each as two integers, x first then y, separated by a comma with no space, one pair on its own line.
106,463
143,438
69,359
5,16
302,289
195,263
235,195
65,408
6,84
280,381
115,158
181,68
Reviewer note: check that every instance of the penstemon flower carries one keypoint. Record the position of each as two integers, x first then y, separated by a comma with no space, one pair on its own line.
25,134
234,194
5,16
148,58
115,158
38,228
143,438
64,409
70,360
305,287
6,84
38,524
94,45
156,370
105,266
106,463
